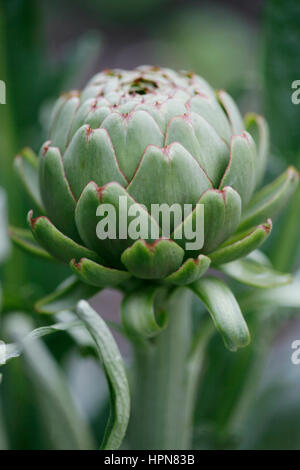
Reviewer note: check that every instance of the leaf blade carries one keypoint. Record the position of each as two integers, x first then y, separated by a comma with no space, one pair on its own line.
26,166
66,296
241,245
66,428
224,310
115,373
251,272
24,239
270,200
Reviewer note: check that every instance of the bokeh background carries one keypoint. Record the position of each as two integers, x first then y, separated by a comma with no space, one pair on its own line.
249,48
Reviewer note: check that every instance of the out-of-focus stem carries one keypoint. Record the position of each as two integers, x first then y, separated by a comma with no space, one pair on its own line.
13,271
285,251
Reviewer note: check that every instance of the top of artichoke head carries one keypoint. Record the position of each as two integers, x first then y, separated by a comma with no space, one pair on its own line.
153,136
177,112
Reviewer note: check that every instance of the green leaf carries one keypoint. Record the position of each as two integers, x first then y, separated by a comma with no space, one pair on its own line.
253,273
271,199
153,261
90,156
257,126
55,189
174,169
67,322
241,245
212,112
97,275
60,129
240,172
131,136
56,243
79,333
14,350
26,166
91,199
191,271
140,316
279,297
4,240
115,373
201,140
225,311
222,213
232,111
24,239
66,296
64,425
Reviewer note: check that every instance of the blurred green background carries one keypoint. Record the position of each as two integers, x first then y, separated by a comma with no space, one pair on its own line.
250,48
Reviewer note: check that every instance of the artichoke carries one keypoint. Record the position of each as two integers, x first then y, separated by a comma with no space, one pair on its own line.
153,136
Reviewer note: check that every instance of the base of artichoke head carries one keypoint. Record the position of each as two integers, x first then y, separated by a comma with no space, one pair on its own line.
162,391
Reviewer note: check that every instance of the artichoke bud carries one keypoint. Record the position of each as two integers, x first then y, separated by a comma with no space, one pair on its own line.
131,140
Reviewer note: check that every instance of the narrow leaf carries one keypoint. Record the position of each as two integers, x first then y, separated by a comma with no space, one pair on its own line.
241,167
55,242
26,165
66,296
67,321
115,373
55,189
14,350
24,239
79,333
97,275
241,245
258,128
270,200
225,311
232,111
279,297
191,270
253,273
65,427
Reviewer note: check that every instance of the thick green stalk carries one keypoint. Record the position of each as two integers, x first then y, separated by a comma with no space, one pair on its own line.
163,383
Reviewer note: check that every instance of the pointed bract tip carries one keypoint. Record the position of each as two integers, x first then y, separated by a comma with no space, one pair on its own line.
32,221
76,264
293,173
88,132
267,227
46,147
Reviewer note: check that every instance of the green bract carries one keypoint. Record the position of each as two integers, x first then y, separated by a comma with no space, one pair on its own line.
153,136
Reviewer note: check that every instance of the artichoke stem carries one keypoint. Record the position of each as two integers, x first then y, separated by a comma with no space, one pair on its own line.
163,387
